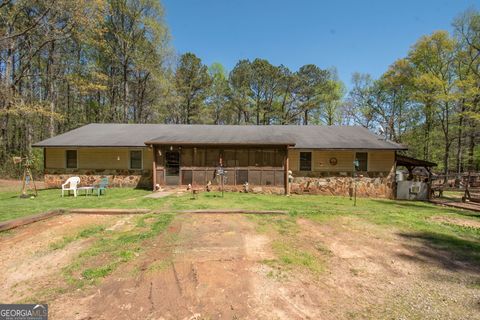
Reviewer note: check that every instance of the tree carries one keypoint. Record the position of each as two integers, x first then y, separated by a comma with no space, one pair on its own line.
218,97
433,57
360,100
467,33
312,84
192,83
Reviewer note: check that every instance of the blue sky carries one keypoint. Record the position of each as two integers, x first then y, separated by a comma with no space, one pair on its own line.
364,36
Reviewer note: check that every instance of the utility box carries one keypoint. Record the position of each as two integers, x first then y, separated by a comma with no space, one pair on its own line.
412,190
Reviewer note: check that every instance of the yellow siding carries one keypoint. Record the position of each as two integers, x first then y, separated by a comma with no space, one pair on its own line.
377,160
381,160
293,159
148,159
55,158
100,158
321,160
97,158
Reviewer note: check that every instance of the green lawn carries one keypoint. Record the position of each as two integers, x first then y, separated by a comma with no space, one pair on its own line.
409,218
11,206
111,248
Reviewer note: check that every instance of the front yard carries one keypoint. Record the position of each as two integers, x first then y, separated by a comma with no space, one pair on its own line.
324,259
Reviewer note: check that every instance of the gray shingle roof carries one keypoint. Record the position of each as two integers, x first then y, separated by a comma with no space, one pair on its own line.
136,135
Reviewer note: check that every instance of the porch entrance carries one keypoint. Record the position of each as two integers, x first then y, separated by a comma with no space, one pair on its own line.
172,168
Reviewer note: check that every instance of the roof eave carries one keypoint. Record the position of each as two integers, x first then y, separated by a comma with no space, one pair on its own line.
289,144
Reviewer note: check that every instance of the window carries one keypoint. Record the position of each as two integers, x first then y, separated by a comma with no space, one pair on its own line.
71,156
136,159
361,158
305,161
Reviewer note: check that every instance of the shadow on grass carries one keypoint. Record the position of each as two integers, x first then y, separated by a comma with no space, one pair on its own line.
426,206
423,205
442,250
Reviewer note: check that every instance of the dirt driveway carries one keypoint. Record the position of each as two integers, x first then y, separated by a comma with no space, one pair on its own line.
211,270
229,266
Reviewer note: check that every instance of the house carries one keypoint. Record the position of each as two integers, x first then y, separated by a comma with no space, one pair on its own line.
322,158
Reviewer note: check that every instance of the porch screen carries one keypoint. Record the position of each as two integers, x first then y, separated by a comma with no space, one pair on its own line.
186,158
242,177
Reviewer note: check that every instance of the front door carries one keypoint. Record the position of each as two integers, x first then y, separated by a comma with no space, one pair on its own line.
172,167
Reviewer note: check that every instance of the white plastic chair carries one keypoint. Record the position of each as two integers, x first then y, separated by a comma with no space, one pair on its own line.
72,183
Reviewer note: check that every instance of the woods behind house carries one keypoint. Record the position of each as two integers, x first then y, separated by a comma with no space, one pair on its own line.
67,63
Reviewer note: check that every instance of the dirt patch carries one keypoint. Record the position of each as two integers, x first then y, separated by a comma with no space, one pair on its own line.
218,266
457,221
375,273
27,261
205,267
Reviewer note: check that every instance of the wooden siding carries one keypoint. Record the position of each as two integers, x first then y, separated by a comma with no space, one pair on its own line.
107,158
321,160
97,158
378,161
293,159
381,160
55,158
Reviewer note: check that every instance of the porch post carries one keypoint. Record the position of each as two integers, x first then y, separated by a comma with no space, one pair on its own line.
154,171
287,184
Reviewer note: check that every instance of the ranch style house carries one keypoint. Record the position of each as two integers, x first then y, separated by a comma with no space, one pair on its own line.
321,159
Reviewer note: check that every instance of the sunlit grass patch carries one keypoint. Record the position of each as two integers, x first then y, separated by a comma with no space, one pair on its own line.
291,255
85,233
112,249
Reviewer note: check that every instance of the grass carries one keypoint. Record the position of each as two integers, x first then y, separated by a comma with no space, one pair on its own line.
410,219
12,206
85,233
290,255
112,248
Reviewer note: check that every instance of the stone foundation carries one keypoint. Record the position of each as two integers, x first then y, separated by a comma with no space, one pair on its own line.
379,187
375,187
116,177
251,189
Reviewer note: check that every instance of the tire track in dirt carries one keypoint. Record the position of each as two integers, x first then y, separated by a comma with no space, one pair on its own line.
29,264
213,271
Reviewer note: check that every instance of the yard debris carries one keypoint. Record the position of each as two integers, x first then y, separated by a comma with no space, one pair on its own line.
10,224
232,211
110,211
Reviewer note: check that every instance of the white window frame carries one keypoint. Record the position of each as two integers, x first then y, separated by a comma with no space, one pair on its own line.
130,159
66,158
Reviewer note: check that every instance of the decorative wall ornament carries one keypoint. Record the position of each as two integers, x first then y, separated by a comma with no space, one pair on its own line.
333,161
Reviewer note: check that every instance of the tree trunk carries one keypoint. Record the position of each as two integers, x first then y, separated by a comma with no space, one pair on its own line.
51,89
471,149
459,139
125,92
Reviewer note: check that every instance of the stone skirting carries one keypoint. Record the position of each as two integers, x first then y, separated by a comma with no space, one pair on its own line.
116,177
376,187
251,189
344,186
